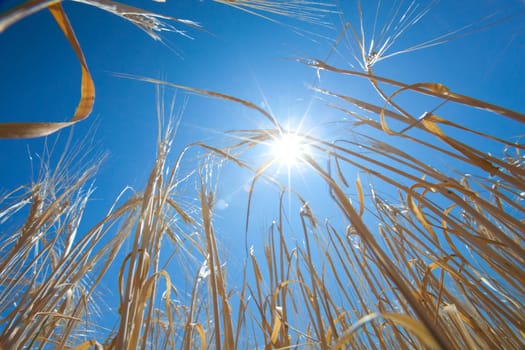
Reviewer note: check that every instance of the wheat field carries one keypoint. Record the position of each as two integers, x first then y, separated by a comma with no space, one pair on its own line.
415,239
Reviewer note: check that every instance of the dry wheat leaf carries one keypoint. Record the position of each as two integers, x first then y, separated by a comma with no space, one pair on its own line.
203,92
431,89
88,345
361,196
414,326
202,336
467,151
275,330
87,90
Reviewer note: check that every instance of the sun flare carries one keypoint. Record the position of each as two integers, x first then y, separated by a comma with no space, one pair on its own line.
288,148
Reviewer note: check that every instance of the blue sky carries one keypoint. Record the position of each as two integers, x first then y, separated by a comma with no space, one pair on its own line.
244,56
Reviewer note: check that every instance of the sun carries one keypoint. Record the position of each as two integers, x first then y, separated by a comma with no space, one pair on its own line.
288,148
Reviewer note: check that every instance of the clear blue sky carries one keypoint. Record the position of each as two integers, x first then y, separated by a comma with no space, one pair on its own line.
245,56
